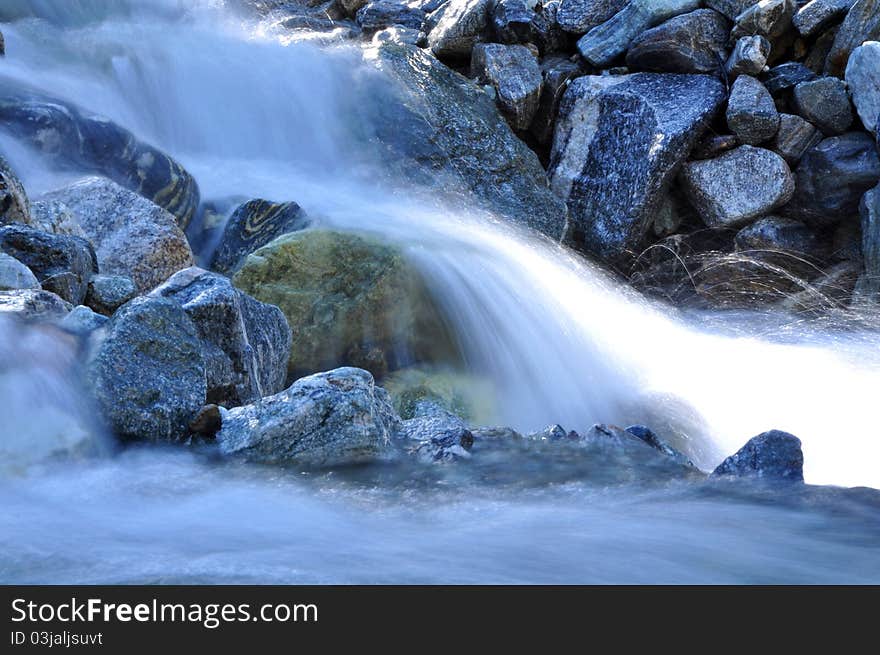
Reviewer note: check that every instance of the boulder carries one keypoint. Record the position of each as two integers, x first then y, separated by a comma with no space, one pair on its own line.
647,435
730,8
245,343
832,177
439,435
148,374
580,16
33,305
398,35
14,204
751,112
825,103
466,396
778,234
83,321
14,275
62,264
380,14
329,419
55,217
513,21
794,137
749,56
513,71
557,72
773,455
619,142
817,15
695,42
351,7
737,187
604,43
349,300
548,35
769,18
458,26
107,293
785,77
862,23
863,80
131,235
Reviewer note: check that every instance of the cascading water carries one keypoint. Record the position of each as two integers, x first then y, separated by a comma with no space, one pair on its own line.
251,113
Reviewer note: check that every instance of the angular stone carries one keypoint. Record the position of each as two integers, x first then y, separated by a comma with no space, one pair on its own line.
549,36
329,419
380,14
557,72
14,275
514,72
863,80
695,42
773,455
33,305
825,103
816,15
55,217
786,76
749,56
580,16
751,112
730,8
440,435
619,141
512,21
862,23
775,233
794,137
737,187
769,18
459,25
14,204
107,293
649,437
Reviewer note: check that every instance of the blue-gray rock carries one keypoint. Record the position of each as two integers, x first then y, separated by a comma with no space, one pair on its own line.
779,234
83,321
62,264
730,8
580,16
869,283
825,103
749,56
147,375
557,72
14,204
245,343
549,36
785,77
751,112
832,177
55,217
253,225
107,293
816,15
512,21
14,275
862,23
33,305
398,35
619,142
695,42
794,137
863,80
554,433
647,435
769,18
328,419
513,71
380,14
773,455
458,26
737,187
438,434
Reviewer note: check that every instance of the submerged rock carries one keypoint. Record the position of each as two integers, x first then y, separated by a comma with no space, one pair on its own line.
773,455
513,71
14,204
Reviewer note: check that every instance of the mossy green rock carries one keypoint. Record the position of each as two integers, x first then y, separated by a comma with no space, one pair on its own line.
350,301
467,396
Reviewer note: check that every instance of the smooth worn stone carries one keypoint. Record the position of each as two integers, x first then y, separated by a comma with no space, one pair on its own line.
862,23
869,283
816,15
14,204
604,43
440,435
775,233
825,103
378,15
769,18
619,141
245,343
15,275
786,76
749,56
33,305
695,42
863,80
131,235
148,374
832,177
348,299
459,25
329,419
773,455
751,112
107,293
794,137
513,71
512,21
62,264
83,321
737,187
557,72
580,16
55,217
253,225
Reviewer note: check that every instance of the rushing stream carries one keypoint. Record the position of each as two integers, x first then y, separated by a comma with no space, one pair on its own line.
252,113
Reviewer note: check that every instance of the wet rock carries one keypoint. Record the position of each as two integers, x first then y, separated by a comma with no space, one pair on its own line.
329,419
83,321
14,204
557,72
649,437
773,455
2,45
695,42
378,15
769,18
580,16
737,187
749,56
466,396
751,112
348,299
862,23
440,435
62,264
107,293
778,234
794,137
131,235
14,275
604,43
554,433
832,177
459,25
351,7
619,141
245,343
785,77
869,209
253,225
398,35
863,80
55,217
513,71
816,15
148,373
512,21
33,305
825,103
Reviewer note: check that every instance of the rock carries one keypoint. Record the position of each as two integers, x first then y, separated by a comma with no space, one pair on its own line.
14,204
730,8
749,56
62,264
774,233
649,437
751,112
459,25
548,35
863,80
253,225
83,321
737,187
208,422
14,275
786,76
794,137
331,30
862,23
773,455
398,35
441,436
618,144
107,293
832,177
869,284
33,305
818,52
513,71
825,103
55,217
554,433
512,21
380,14
148,373
2,45
245,343
329,419
769,18
444,128
131,235
351,7
816,15
557,72
695,42
604,43
70,135
349,300
713,145
580,16
466,396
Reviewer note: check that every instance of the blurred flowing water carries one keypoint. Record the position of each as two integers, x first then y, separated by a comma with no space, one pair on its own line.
255,113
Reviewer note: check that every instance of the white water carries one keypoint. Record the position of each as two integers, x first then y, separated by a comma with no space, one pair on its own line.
251,114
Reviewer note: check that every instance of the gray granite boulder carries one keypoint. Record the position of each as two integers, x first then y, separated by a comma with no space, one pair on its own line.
769,18
580,16
380,14
33,305
438,434
794,137
14,275
55,217
779,234
749,56
785,77
107,293
773,455
513,71
862,23
458,26
816,15
751,112
513,21
14,204
695,42
825,103
83,321
863,80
